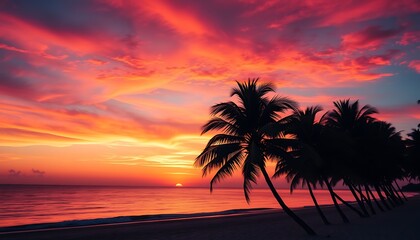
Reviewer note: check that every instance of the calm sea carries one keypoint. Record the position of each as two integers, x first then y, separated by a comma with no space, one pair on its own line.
29,204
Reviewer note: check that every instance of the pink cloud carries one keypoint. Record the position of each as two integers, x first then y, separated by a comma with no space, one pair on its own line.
415,64
410,37
71,75
369,38
366,62
340,13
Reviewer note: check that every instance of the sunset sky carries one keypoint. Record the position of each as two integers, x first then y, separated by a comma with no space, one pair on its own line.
115,92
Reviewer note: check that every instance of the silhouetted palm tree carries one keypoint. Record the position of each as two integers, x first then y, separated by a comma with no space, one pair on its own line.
333,145
348,118
306,166
382,154
250,137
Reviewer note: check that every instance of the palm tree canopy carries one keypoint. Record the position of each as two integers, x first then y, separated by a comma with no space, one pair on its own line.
248,134
347,116
348,119
306,163
381,150
303,124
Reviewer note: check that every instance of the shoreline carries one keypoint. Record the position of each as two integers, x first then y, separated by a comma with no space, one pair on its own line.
133,219
265,223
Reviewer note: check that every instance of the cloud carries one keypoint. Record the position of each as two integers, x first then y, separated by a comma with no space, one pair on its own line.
369,38
14,173
368,62
146,73
38,173
410,37
415,64
340,13
15,136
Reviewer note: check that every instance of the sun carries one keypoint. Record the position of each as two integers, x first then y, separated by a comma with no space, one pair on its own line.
178,185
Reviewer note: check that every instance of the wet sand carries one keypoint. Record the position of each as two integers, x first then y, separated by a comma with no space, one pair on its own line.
400,223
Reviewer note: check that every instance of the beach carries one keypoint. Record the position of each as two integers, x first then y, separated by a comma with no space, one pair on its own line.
400,223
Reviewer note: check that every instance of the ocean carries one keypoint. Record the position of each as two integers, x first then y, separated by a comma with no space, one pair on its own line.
35,204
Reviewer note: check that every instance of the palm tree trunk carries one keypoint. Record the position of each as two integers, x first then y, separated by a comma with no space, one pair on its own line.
374,198
396,193
366,199
283,205
391,195
398,200
378,190
360,203
337,207
318,208
348,205
402,193
388,196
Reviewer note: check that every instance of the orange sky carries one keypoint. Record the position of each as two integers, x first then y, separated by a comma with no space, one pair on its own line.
115,92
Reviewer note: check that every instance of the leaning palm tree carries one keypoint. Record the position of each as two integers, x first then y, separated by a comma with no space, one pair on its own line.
315,162
349,118
306,167
250,136
382,155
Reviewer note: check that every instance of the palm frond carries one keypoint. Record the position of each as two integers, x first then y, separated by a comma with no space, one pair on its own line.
295,182
224,138
275,106
218,123
365,112
250,173
228,111
227,169
214,155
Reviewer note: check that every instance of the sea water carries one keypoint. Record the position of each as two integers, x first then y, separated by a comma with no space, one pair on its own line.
33,204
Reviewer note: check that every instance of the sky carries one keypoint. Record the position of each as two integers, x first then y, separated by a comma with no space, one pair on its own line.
115,92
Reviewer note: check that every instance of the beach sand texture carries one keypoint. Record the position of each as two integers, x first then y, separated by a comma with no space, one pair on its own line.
400,223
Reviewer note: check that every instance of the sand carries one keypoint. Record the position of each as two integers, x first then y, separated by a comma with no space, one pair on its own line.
400,223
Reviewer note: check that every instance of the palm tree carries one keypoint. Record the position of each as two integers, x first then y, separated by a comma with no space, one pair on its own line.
347,117
332,145
306,166
382,154
250,137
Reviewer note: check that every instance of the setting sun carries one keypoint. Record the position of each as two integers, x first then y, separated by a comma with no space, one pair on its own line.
178,185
